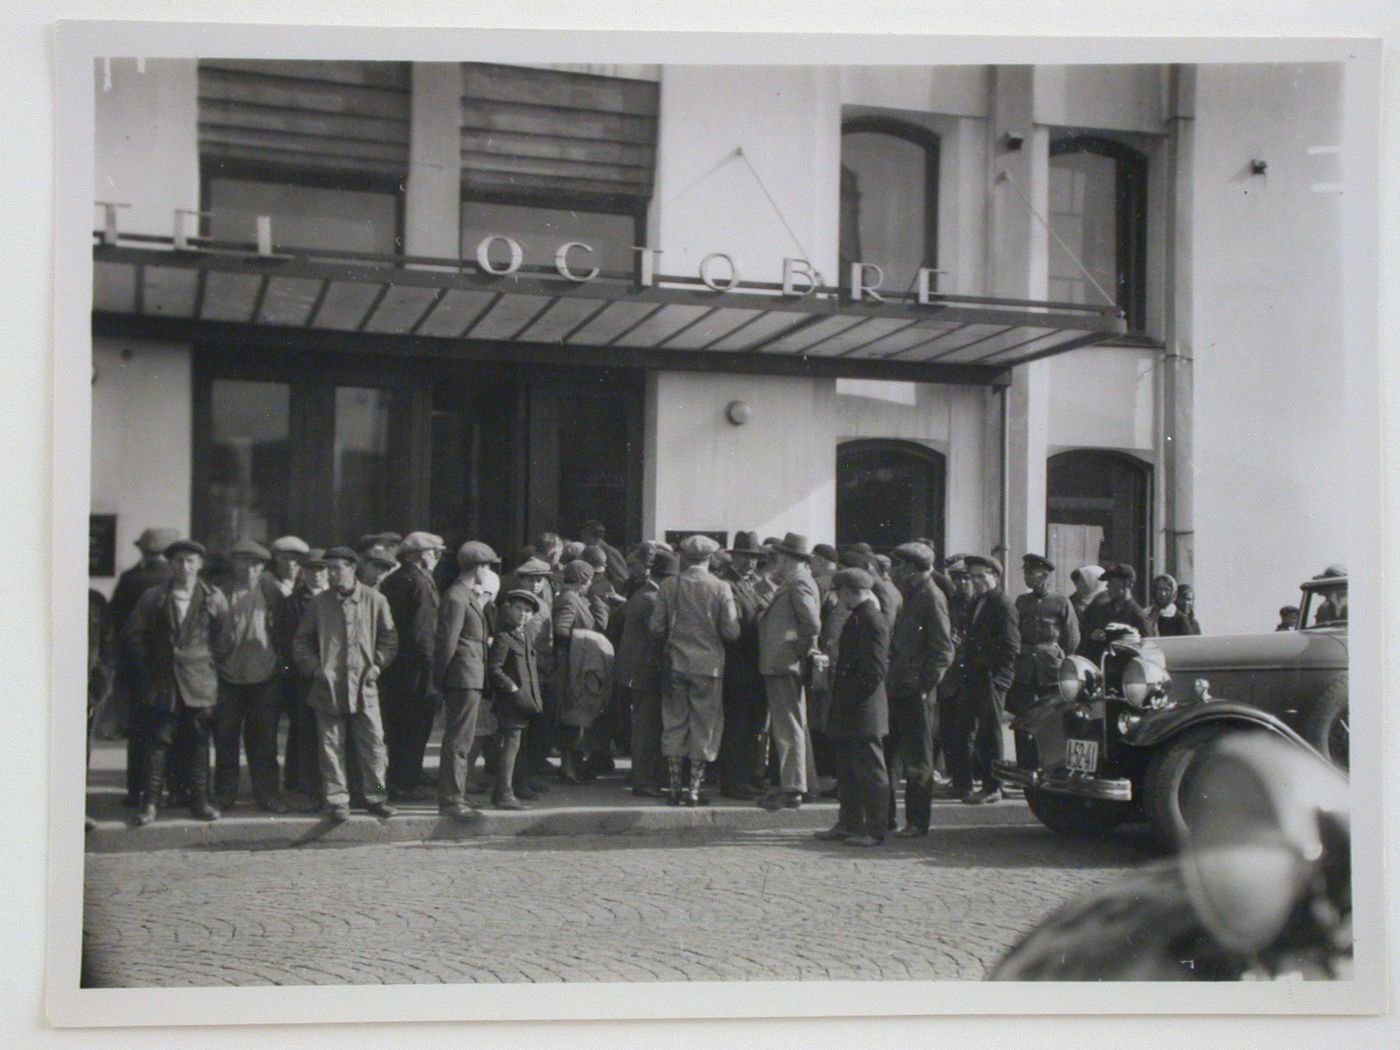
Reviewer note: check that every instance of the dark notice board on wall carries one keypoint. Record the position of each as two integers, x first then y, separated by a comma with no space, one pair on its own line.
102,544
674,536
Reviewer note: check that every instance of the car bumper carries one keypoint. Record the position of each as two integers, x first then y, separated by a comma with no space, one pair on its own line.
1084,787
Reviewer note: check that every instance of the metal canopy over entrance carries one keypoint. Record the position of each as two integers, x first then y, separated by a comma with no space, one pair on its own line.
147,285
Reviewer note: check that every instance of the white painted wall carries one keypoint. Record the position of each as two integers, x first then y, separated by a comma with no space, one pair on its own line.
952,90
1268,339
141,424
1111,98
1103,398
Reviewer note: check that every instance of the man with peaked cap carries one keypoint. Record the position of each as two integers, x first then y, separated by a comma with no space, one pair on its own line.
694,616
375,564
920,653
173,636
787,634
249,705
986,665
150,571
639,671
743,748
1049,630
465,624
344,641
1119,608
408,701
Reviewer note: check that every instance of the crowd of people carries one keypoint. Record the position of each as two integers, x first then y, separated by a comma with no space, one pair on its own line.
759,667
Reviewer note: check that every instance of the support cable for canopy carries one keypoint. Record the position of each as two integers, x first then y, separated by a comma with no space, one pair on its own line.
1006,176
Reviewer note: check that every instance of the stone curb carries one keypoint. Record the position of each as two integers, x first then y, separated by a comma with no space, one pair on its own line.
264,831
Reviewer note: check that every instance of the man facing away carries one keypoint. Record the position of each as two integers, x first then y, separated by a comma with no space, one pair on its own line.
695,615
343,643
409,701
920,653
857,718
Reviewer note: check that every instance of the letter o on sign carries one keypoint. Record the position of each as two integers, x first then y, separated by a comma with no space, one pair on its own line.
709,278
483,255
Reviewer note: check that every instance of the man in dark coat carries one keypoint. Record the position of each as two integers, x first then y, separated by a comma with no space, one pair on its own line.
921,651
594,534
406,694
857,719
639,672
744,747
173,636
986,666
1049,629
1119,608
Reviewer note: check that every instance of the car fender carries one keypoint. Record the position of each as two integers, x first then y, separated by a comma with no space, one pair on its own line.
1157,729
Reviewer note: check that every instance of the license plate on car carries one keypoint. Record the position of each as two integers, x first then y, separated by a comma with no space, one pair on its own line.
1082,756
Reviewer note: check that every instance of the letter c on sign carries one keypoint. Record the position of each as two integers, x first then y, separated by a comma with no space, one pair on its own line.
710,282
561,262
483,255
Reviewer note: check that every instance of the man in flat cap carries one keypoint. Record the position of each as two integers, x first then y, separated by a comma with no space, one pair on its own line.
695,616
344,641
301,771
375,564
743,751
857,719
1049,629
787,634
986,665
512,670
465,623
920,653
408,699
173,637
250,670
1119,608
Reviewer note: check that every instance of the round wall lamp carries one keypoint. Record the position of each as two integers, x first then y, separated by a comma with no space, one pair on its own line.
738,412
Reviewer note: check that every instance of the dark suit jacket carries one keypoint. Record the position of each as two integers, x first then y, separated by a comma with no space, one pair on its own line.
413,602
921,645
463,635
175,660
514,674
990,647
859,707
637,665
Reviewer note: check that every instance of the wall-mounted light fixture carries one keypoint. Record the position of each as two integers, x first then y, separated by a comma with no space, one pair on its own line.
738,412
1013,142
1258,167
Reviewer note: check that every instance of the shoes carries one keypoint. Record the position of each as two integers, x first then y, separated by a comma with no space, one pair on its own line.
648,792
200,809
832,792
338,814
570,778
982,797
781,801
808,796
145,815
272,804
836,834
864,840
461,813
910,832
511,803
224,802
526,792
381,809
694,798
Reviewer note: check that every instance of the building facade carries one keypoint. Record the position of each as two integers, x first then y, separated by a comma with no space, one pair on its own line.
1181,216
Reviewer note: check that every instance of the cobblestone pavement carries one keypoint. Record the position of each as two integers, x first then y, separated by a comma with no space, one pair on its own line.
687,906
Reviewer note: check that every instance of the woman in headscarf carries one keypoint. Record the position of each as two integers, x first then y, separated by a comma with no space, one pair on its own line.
1088,588
1163,601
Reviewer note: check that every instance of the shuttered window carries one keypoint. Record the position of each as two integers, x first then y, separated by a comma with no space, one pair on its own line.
541,133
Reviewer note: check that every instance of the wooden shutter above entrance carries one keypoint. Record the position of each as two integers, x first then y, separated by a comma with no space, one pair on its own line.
322,117
542,133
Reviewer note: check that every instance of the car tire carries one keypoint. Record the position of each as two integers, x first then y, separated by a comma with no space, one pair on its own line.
1169,778
1071,815
1328,725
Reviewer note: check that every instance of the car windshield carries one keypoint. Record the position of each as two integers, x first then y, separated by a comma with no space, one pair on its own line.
1324,607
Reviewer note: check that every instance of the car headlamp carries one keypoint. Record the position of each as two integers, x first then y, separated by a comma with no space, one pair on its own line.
1078,677
1144,682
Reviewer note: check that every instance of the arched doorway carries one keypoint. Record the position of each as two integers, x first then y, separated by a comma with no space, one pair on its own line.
889,492
1099,511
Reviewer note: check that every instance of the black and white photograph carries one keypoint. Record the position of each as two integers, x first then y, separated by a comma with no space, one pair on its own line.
571,520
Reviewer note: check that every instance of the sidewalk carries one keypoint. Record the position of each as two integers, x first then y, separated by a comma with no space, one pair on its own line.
604,807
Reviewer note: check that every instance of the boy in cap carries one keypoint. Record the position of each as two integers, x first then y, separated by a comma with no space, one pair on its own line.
695,616
408,699
512,669
535,575
344,641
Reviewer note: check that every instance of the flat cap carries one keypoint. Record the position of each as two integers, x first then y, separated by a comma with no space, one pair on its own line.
578,571
983,561
854,559
534,567
824,550
1331,572
863,547
289,545
1120,571
344,554
367,541
315,558
529,597
249,549
595,557
415,542
698,547
1036,561
474,552
883,560
852,579
185,547
914,554
154,541
379,556
956,566
573,550
665,564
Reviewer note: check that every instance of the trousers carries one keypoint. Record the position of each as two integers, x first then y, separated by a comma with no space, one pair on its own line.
358,736
862,784
646,737
909,754
692,717
743,750
787,722
409,709
184,732
247,713
460,710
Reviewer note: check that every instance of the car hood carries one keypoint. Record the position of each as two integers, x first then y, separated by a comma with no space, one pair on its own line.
1276,649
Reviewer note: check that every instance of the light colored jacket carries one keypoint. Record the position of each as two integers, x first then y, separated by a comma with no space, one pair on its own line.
342,643
695,614
589,678
788,627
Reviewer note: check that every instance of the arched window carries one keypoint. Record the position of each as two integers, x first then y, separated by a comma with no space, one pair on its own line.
1098,511
1098,207
889,492
889,199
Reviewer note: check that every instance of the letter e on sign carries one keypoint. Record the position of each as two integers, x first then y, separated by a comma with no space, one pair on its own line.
709,279
483,255
561,262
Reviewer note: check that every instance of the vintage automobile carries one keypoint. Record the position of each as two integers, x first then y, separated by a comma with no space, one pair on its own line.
1119,740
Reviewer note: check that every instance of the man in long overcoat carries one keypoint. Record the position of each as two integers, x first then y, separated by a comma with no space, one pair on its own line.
787,634
410,704
743,750
986,665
